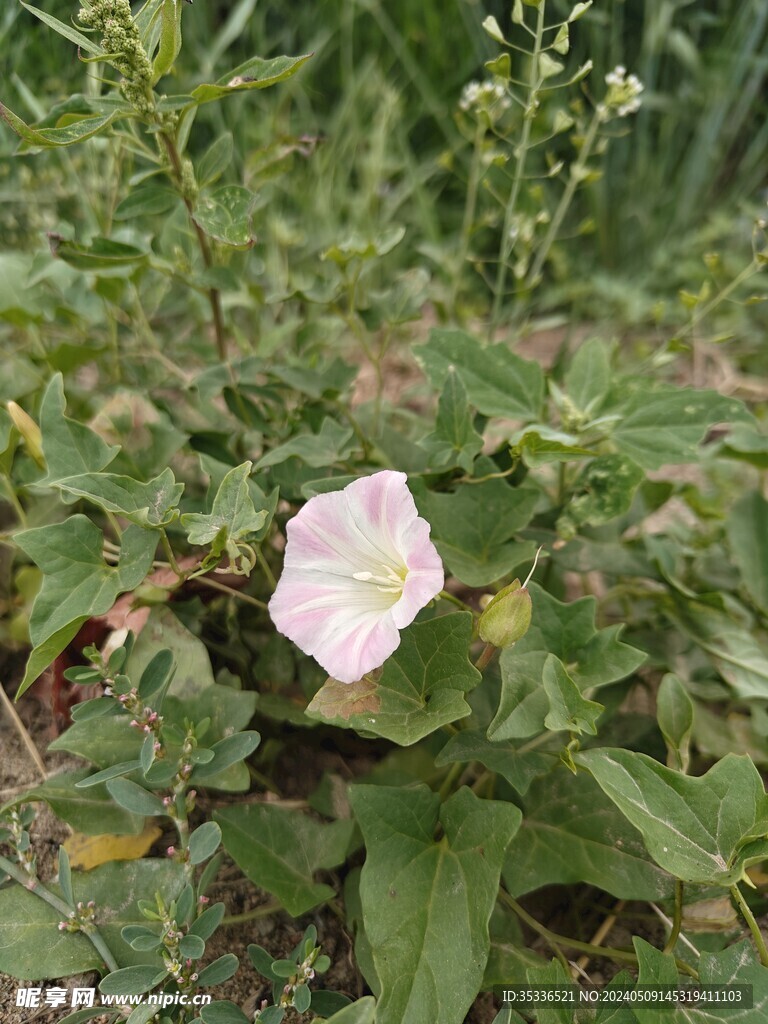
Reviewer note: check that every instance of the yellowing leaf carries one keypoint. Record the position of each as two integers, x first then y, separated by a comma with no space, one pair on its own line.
86,852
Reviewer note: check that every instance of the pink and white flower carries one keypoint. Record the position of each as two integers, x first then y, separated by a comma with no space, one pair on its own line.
359,566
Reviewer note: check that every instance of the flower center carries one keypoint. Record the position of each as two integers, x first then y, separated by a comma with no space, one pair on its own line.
390,582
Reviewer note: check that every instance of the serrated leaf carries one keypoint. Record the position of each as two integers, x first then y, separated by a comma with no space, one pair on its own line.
572,832
255,73
280,850
233,516
77,582
28,925
421,687
427,904
454,441
568,710
659,427
498,382
69,447
152,504
473,527
87,810
595,658
698,829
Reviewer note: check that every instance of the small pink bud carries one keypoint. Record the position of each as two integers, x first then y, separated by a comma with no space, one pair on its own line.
62,926
193,977
203,900
171,851
135,724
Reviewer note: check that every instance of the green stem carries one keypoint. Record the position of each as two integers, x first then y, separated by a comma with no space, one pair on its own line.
485,657
452,775
749,271
677,920
224,589
452,599
170,555
265,567
36,886
506,246
748,916
586,947
470,206
13,498
252,915
577,173
214,295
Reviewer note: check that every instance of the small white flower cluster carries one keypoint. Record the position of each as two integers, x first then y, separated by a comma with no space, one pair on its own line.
624,90
488,96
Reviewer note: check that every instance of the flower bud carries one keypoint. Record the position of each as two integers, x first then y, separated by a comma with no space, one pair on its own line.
507,617
29,431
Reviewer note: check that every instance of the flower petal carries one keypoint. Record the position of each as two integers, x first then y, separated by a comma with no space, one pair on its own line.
345,633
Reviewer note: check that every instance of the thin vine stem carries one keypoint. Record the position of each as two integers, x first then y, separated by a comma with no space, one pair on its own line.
506,246
752,924
677,920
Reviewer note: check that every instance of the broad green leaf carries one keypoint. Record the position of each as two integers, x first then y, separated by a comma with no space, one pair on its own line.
603,491
568,710
736,965
152,504
454,441
421,686
588,378
113,742
674,709
77,582
571,832
280,850
427,904
698,829
746,444
256,73
84,42
518,768
102,256
69,447
223,1012
552,973
740,656
498,382
233,516
28,925
473,527
667,425
52,138
226,214
594,659
333,443
747,532
363,1011
89,810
